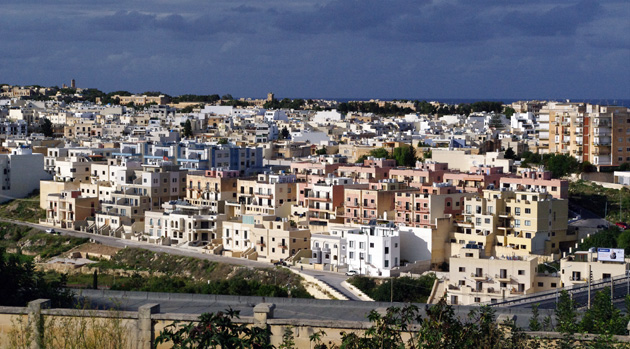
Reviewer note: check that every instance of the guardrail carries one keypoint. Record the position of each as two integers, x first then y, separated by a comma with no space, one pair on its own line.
551,294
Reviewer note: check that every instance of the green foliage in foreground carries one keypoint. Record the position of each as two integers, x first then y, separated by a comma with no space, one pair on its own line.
406,289
20,283
406,327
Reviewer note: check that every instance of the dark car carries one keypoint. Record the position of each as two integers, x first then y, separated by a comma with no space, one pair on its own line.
280,263
622,225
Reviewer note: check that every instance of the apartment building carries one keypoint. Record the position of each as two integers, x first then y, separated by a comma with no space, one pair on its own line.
211,188
537,180
363,174
425,173
183,223
325,200
66,208
263,237
267,194
374,250
514,223
420,208
329,249
610,135
575,269
363,205
142,99
123,215
567,126
475,278
478,178
20,173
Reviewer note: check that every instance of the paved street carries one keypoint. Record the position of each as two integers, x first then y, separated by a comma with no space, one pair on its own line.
332,279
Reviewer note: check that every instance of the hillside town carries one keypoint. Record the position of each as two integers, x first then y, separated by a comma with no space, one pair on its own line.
374,188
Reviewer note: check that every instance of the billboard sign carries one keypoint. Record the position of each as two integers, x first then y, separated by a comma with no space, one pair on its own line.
610,255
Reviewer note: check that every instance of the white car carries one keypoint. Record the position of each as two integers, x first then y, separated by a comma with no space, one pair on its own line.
352,273
51,231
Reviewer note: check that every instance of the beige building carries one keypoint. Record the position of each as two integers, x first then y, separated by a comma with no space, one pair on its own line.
142,100
594,133
182,223
211,188
475,278
268,194
575,268
510,223
263,237
65,208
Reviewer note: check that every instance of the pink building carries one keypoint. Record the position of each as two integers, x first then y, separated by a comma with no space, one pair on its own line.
423,174
479,178
421,208
537,180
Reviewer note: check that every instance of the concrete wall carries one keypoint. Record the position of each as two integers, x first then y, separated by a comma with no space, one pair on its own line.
137,329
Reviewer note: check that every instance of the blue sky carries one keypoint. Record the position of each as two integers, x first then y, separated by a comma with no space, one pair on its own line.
340,48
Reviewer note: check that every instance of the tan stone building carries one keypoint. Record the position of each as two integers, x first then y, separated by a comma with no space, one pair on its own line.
263,237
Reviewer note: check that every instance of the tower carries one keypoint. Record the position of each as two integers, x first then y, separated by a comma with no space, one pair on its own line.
73,84
270,96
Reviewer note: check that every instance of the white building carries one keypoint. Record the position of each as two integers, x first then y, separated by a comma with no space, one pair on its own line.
20,173
326,116
374,250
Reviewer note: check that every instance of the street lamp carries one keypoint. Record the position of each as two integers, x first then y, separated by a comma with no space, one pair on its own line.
557,273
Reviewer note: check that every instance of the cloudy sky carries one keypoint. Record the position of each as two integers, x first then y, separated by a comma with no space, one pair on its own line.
340,48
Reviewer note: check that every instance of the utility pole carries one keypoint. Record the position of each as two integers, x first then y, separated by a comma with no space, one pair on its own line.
612,286
589,286
391,290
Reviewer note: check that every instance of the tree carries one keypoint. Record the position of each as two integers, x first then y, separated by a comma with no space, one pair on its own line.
188,132
380,153
509,153
215,330
405,156
223,141
284,134
566,315
321,151
227,97
603,317
496,122
534,322
22,284
47,128
509,111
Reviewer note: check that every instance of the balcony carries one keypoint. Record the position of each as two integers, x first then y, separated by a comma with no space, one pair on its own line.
479,277
282,246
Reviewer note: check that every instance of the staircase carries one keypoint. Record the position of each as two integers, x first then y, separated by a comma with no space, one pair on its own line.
119,232
250,254
104,230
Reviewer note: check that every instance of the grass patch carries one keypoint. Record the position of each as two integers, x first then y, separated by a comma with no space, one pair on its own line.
25,209
192,275
604,202
406,289
34,241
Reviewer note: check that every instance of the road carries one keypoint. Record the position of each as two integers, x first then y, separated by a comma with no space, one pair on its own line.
332,279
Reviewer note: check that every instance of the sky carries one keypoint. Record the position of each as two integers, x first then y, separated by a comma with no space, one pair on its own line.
419,49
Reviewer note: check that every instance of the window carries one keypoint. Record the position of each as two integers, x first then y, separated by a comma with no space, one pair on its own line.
462,269
517,211
528,210
540,284
521,272
517,223
351,244
528,223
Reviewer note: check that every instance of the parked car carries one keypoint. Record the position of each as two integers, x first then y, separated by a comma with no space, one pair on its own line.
622,225
352,273
51,231
280,263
